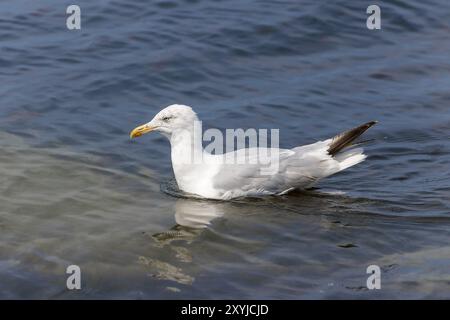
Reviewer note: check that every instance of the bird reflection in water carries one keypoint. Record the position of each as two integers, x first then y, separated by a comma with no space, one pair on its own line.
192,216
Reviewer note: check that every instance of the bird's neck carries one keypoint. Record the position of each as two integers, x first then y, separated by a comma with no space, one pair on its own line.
186,155
186,144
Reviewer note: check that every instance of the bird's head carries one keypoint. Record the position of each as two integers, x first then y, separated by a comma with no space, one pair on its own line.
174,118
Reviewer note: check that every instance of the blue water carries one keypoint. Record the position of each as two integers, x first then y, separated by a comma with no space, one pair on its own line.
75,190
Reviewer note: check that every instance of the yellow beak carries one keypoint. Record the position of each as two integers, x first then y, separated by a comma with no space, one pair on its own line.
139,131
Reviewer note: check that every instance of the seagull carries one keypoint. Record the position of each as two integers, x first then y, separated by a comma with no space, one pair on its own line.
210,176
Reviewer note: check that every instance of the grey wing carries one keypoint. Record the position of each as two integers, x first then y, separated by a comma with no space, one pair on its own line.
299,168
248,174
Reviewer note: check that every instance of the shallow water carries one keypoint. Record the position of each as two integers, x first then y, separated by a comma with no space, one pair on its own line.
75,190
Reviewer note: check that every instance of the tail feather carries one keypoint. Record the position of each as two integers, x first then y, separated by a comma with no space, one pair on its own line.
345,139
349,158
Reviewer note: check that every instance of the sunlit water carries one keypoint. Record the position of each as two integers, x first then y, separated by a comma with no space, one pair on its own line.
75,190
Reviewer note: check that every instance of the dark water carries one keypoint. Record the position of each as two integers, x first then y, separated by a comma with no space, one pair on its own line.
75,190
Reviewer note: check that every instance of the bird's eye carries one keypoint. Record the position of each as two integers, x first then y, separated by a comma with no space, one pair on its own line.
166,118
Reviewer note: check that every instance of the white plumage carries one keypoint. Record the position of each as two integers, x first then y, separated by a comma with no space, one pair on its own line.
214,178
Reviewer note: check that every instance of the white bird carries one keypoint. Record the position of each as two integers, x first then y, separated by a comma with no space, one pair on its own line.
210,176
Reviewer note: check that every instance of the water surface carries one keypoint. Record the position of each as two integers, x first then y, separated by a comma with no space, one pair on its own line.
75,190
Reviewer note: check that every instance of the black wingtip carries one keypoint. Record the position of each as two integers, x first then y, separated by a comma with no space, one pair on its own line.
346,138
